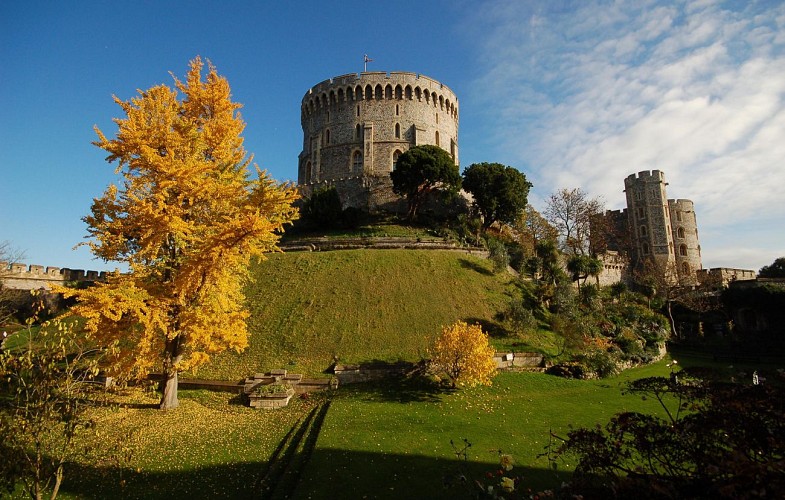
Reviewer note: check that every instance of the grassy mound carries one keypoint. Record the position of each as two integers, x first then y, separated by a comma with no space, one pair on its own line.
357,305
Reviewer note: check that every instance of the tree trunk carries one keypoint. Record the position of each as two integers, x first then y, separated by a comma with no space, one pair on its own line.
172,356
672,321
169,386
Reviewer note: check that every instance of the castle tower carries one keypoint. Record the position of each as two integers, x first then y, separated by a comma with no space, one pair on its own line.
687,248
649,217
356,126
664,231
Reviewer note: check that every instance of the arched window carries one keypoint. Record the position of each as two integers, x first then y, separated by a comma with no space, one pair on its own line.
327,136
408,92
340,95
683,250
645,248
398,92
418,93
358,93
368,92
396,155
397,130
680,232
643,231
357,162
427,96
397,110
685,269
378,93
437,138
388,91
358,132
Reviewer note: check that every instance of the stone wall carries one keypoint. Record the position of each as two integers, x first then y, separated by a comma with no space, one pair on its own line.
23,277
724,275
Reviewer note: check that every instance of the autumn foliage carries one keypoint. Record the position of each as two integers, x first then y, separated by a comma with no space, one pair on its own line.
462,352
185,219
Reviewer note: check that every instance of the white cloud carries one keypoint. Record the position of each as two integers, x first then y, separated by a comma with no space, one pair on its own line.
596,91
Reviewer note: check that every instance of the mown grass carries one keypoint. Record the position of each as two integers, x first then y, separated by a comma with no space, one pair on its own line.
388,440
384,442
308,309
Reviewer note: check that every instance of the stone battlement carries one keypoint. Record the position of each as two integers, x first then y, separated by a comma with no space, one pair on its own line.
646,176
354,78
23,277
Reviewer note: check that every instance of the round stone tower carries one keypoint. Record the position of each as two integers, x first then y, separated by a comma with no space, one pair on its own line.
685,238
356,126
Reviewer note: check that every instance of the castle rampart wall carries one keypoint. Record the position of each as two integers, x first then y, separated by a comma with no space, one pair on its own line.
724,275
33,277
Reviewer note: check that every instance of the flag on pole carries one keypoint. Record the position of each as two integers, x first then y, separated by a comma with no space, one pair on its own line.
366,60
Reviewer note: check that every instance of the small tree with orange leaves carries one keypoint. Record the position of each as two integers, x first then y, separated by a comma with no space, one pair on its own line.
462,352
186,218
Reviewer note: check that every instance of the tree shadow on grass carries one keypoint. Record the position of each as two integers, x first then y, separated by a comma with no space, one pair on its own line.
474,266
412,388
492,328
328,474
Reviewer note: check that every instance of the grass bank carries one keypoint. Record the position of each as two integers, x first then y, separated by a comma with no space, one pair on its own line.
358,305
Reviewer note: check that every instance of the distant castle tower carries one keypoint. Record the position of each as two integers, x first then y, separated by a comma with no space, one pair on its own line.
356,126
661,230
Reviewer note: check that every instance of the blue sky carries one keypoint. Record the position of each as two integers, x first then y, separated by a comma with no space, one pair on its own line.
574,94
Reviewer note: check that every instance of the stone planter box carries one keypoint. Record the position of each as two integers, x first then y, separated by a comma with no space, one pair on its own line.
271,400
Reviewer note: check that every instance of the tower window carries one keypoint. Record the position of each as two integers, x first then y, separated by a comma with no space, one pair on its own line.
643,231
683,250
645,248
396,155
327,136
437,137
397,130
357,162
358,132
680,232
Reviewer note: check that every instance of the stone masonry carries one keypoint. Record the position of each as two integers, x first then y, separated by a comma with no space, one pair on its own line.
356,126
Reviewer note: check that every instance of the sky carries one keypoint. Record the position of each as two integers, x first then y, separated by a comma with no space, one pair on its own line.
572,93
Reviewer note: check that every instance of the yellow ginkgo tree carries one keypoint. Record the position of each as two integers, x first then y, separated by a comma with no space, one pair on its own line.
463,353
185,218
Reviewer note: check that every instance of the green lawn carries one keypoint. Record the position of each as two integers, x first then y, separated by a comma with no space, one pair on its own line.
381,441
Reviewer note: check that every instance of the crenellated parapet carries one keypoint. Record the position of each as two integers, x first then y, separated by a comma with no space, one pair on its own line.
23,277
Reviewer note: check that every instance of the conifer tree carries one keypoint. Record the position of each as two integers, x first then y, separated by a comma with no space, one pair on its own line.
185,220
